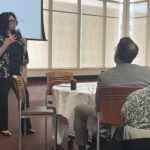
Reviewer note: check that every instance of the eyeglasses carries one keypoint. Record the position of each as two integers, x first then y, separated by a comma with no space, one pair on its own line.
12,21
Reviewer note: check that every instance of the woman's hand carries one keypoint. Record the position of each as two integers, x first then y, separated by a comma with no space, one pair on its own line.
7,41
10,39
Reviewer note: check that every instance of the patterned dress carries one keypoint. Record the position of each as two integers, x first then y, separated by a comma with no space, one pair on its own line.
12,60
136,110
4,63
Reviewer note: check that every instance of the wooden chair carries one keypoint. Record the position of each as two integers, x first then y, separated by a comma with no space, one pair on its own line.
54,78
110,104
36,111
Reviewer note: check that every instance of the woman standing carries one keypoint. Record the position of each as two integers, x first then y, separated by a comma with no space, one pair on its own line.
5,81
13,56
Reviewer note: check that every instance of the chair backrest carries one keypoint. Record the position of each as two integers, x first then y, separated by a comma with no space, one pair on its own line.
57,77
111,101
19,85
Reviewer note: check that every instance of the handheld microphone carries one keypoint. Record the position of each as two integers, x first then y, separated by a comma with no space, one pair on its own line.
19,33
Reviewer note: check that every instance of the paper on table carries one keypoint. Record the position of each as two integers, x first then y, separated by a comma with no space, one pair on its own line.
64,85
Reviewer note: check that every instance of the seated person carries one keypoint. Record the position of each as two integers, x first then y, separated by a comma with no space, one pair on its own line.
124,73
136,110
136,122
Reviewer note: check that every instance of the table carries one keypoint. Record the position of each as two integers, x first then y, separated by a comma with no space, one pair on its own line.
66,99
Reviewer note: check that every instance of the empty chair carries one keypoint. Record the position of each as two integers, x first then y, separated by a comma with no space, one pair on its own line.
36,111
54,78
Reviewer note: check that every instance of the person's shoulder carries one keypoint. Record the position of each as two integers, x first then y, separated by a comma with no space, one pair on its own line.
138,67
143,68
139,94
120,69
108,73
146,67
109,70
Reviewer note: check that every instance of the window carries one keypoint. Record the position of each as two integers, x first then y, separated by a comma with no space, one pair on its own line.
113,30
82,34
64,34
138,29
38,50
75,40
92,34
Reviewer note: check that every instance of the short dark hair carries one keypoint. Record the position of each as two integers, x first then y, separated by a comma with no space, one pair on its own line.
4,22
127,50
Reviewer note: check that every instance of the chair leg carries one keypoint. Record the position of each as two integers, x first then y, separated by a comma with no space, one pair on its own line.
98,131
19,145
55,131
24,122
45,132
46,97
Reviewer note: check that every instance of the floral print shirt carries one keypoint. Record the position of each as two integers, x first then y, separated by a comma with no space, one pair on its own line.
4,63
136,110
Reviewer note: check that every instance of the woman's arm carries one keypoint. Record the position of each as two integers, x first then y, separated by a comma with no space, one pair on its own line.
7,41
24,44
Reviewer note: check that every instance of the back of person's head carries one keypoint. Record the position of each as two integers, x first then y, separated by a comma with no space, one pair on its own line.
4,22
127,50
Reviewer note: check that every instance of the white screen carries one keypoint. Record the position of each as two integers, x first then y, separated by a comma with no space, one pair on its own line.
28,13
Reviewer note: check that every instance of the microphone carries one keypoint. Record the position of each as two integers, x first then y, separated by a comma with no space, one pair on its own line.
19,33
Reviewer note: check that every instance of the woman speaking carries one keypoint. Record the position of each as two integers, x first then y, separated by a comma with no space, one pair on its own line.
13,56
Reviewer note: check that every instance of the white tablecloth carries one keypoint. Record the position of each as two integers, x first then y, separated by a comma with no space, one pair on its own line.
66,99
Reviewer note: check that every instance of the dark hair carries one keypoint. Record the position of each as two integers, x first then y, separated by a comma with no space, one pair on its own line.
127,50
4,22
